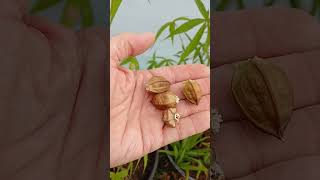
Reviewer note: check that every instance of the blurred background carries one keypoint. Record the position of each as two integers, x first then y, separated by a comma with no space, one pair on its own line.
72,13
144,16
148,16
311,6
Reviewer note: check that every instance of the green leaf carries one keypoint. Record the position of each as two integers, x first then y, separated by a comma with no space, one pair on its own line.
186,27
87,17
193,44
145,162
202,9
115,4
162,28
171,30
125,61
41,5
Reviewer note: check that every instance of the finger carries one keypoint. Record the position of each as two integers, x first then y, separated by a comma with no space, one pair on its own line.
204,84
187,126
185,108
265,32
180,73
129,44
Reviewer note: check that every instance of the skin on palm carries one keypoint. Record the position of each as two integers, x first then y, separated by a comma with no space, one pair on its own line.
136,125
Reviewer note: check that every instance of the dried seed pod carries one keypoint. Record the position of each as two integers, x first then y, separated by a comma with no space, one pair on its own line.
264,95
192,91
158,84
171,117
165,100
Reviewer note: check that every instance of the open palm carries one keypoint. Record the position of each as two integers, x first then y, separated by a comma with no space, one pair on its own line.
136,125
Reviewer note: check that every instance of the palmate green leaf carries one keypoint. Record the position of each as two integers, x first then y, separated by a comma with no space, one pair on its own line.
202,9
162,28
115,4
193,44
41,5
190,24
166,25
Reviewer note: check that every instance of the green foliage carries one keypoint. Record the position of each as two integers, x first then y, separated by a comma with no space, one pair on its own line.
126,171
41,5
191,154
132,62
198,45
115,4
74,11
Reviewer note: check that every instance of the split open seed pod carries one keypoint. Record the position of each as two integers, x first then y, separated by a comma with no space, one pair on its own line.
264,95
171,117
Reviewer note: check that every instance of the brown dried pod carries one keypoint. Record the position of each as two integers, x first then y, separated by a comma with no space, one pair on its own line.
171,117
165,100
157,84
192,91
264,95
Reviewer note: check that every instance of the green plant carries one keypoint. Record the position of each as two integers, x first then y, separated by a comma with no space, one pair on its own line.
191,154
126,171
198,45
115,4
74,11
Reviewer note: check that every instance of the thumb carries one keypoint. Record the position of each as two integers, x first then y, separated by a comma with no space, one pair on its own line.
129,44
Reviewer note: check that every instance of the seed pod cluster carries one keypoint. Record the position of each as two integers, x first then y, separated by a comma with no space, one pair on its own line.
166,100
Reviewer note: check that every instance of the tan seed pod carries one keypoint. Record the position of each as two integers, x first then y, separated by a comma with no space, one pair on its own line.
165,100
192,91
171,117
157,84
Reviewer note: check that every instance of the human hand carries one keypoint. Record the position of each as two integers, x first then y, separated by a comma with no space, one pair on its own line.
290,39
136,126
51,98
